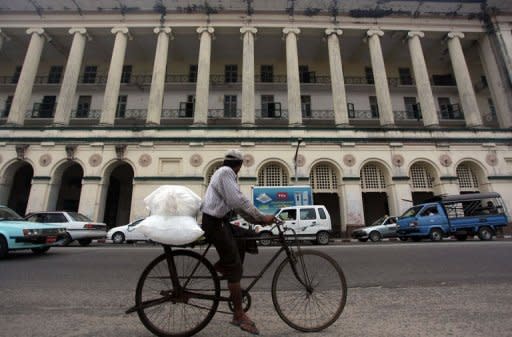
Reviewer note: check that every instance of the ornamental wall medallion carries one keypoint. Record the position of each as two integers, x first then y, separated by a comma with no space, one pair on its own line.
491,159
45,160
95,160
349,160
445,160
398,160
248,160
144,160
196,160
301,160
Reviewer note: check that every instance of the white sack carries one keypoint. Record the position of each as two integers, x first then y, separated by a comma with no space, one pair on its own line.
173,200
170,230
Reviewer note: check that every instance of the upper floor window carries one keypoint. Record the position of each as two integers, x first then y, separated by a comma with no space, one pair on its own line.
126,74
229,105
231,73
443,80
192,73
83,106
16,76
121,106
305,76
305,102
368,73
267,73
55,74
90,73
405,76
374,106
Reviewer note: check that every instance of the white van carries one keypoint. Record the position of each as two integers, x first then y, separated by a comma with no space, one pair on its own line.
309,223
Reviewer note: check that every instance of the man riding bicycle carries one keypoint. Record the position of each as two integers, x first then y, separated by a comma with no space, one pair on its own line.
222,196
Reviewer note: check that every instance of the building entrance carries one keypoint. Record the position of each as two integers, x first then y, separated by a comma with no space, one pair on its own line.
119,196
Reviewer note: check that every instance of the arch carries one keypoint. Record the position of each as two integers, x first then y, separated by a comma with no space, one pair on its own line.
116,194
471,176
384,168
422,179
56,201
324,178
213,166
273,173
15,185
434,168
375,179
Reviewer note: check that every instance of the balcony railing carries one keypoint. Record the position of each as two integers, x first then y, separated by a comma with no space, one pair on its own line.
451,112
363,114
319,115
407,115
224,113
86,113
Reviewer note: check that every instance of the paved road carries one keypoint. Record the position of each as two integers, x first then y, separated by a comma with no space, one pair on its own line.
395,289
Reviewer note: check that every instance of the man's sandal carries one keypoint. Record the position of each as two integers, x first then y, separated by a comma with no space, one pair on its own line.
247,325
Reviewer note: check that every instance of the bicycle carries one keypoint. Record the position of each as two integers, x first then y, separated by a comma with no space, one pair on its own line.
179,292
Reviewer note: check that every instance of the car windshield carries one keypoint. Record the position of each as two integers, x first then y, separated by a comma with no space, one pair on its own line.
9,214
378,221
78,216
412,211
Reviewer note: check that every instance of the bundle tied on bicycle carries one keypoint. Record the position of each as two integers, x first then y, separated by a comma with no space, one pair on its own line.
173,211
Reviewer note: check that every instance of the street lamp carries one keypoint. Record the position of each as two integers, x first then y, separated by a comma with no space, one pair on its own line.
295,159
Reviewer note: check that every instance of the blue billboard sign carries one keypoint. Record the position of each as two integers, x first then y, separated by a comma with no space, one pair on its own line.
268,199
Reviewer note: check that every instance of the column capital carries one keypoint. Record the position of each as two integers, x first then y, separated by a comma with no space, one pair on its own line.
291,30
82,31
38,31
452,35
209,30
252,30
412,34
123,30
333,31
166,30
372,32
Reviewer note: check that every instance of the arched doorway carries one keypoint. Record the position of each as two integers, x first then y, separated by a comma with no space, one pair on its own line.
467,176
422,178
373,188
18,181
324,182
70,188
119,196
273,174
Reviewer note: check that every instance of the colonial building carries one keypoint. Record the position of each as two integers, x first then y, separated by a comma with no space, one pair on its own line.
376,105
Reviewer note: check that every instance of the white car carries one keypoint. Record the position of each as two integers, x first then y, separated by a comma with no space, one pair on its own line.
78,226
126,233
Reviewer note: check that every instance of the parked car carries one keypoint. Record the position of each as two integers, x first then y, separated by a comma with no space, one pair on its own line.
309,222
17,234
384,227
78,226
126,233
481,214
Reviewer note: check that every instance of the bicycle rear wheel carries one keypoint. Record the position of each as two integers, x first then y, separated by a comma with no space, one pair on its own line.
165,311
312,299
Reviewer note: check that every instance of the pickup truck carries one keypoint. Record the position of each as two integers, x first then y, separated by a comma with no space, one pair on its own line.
481,214
311,222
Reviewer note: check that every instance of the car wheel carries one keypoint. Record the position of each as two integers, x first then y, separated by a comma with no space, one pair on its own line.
322,238
67,240
265,239
4,250
436,235
40,251
118,237
363,240
485,233
375,236
84,242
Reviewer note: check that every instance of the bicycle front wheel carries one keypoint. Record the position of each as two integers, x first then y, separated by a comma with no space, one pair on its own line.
170,312
309,294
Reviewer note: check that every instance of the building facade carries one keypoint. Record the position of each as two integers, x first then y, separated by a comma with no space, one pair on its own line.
375,107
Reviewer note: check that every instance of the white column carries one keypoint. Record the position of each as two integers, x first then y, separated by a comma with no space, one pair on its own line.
380,78
156,93
421,78
90,196
339,97
464,83
504,35
71,74
248,91
292,76
108,112
498,89
203,76
38,196
28,74
399,191
353,211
